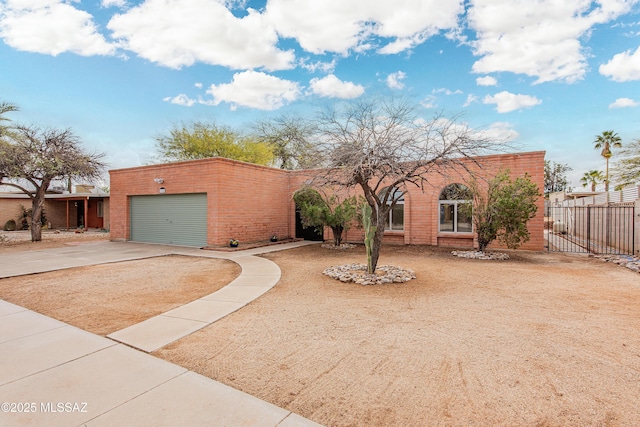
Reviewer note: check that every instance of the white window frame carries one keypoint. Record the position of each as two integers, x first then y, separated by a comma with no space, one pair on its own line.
389,222
455,204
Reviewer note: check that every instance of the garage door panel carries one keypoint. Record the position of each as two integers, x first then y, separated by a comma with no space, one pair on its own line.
176,219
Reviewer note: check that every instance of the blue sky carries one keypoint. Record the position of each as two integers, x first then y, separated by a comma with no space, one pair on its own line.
548,74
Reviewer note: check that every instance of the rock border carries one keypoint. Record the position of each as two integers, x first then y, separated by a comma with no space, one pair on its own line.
629,261
497,256
357,273
338,248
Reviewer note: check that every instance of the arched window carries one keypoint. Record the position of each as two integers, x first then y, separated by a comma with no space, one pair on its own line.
455,215
395,222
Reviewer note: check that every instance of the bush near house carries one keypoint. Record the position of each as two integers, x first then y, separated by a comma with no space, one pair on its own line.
10,225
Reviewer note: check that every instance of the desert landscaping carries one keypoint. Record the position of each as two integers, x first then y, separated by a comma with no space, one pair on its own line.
537,340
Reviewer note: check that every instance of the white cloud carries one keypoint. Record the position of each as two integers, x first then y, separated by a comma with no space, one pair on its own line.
506,101
332,87
312,67
178,33
429,102
623,103
198,85
538,38
113,3
486,81
448,91
394,80
51,27
471,98
342,26
623,67
501,131
181,99
254,89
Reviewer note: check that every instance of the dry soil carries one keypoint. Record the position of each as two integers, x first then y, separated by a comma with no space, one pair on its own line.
106,298
538,340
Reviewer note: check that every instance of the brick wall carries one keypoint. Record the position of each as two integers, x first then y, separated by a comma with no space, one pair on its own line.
247,202
56,212
251,202
421,216
10,209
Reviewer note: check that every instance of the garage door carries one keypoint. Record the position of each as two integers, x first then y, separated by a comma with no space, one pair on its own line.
175,219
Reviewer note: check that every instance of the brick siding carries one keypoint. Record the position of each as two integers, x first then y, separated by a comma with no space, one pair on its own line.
252,202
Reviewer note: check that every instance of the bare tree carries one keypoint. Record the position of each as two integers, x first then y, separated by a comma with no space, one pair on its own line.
555,177
627,169
383,147
290,140
39,157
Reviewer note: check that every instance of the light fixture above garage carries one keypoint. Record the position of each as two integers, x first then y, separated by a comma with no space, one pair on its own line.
158,180
163,190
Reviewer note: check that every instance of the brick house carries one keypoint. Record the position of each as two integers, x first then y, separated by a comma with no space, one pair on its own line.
71,210
207,202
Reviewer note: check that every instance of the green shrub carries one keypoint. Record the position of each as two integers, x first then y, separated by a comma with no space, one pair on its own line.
10,225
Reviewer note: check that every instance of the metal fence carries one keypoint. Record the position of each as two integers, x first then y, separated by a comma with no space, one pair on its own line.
591,229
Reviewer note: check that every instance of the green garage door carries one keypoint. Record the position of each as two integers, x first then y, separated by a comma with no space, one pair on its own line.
174,219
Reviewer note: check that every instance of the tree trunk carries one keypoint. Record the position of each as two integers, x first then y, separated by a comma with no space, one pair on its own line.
377,243
37,206
337,234
380,220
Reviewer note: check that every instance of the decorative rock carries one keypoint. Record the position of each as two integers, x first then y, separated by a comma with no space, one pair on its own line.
481,255
628,261
339,248
357,273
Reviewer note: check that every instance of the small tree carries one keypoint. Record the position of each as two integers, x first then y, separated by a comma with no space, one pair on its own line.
627,170
318,211
555,177
593,177
38,157
201,140
377,145
502,210
289,138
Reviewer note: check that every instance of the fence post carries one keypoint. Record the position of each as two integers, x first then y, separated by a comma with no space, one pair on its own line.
636,228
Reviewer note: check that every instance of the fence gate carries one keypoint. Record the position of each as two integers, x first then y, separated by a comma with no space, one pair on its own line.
591,229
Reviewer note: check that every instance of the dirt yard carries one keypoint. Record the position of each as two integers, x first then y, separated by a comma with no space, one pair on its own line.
539,340
106,298
12,241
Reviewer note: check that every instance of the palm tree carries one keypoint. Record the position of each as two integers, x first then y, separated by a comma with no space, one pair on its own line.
5,107
605,142
592,177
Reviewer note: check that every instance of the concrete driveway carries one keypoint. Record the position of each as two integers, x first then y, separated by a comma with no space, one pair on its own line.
54,374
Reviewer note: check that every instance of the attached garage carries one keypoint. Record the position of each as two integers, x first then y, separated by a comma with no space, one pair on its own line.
174,219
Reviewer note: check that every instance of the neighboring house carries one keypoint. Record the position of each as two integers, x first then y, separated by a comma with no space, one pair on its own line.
62,211
207,202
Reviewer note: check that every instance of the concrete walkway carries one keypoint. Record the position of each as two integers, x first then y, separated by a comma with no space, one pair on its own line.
53,374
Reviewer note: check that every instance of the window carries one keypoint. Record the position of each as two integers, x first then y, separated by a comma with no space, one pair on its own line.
395,222
100,209
454,205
